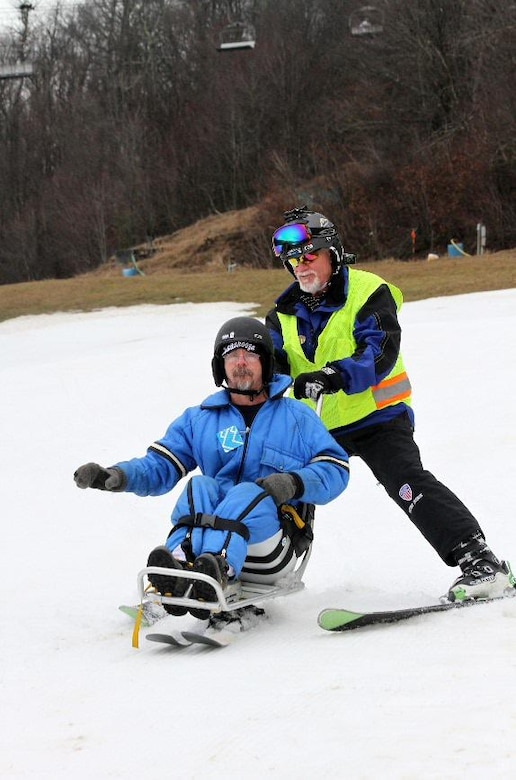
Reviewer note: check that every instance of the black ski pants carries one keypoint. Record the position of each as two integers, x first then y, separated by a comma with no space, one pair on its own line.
393,456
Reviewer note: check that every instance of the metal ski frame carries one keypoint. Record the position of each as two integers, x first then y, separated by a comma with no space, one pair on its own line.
236,595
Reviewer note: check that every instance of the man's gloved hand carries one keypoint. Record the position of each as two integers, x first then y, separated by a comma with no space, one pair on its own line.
91,475
282,487
312,384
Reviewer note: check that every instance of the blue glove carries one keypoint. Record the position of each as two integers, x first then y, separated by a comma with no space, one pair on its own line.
313,384
91,475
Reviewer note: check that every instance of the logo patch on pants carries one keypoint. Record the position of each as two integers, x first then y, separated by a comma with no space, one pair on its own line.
405,492
230,438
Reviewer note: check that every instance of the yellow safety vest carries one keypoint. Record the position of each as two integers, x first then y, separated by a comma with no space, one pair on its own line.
337,342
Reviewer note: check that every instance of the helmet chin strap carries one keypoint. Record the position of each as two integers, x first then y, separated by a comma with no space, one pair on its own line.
336,260
251,393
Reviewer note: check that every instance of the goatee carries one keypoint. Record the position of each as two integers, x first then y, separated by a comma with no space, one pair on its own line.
242,379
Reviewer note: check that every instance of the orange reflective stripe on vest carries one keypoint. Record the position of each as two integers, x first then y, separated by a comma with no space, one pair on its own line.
392,391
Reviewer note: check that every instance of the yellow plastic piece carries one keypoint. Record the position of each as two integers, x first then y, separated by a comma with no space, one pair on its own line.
137,626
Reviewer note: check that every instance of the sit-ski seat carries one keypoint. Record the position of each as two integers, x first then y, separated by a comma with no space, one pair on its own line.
297,526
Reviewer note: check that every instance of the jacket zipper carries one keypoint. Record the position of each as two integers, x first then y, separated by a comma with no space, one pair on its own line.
244,454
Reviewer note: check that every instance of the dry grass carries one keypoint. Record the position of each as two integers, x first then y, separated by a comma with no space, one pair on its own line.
170,276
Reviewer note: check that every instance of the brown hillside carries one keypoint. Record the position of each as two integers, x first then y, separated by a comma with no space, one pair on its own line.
213,243
244,237
191,265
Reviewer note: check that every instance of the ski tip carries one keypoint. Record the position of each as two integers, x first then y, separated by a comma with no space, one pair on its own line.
337,619
218,639
132,612
176,640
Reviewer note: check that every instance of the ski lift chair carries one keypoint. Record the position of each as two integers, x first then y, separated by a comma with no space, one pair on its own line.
367,20
16,70
237,35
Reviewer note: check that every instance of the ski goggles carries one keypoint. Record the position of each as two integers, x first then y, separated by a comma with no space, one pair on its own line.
290,238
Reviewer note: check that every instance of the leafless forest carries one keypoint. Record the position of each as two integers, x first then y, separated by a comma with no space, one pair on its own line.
133,124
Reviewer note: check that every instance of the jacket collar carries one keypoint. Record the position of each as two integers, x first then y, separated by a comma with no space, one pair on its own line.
280,383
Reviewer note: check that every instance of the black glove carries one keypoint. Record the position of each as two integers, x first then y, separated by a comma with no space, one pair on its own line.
91,475
312,384
282,487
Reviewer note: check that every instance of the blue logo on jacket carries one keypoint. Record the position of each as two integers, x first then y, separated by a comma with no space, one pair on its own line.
230,438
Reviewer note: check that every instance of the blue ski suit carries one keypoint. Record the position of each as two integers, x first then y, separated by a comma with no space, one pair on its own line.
285,436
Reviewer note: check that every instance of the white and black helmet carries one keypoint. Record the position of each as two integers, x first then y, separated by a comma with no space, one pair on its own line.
243,333
308,231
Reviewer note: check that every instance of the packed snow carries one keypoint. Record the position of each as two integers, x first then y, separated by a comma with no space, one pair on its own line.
431,698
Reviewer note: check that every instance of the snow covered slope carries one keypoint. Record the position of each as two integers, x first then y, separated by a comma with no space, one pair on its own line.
432,699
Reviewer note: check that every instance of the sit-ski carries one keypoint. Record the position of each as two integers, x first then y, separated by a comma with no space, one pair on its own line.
235,596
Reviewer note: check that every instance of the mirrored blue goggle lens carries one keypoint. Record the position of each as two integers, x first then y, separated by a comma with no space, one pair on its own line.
289,235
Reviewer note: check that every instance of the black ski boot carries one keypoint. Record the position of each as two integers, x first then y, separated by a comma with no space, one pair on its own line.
240,619
483,575
167,586
214,566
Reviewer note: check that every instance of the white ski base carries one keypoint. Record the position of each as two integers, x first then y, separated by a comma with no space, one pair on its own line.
176,639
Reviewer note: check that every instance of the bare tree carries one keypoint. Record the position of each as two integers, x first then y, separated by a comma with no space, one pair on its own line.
134,123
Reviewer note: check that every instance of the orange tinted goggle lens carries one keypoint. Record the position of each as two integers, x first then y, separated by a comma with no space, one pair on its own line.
307,257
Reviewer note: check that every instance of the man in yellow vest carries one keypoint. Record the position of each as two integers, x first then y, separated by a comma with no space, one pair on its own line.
336,331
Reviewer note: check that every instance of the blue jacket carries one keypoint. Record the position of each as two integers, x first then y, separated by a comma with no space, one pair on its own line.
285,436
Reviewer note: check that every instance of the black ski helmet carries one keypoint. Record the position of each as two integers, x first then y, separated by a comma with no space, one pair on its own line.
243,333
321,233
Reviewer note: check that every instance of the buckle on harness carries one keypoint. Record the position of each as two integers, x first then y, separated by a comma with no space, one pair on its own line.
298,530
203,520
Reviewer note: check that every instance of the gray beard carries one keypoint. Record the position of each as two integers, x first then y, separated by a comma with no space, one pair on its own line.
313,288
242,382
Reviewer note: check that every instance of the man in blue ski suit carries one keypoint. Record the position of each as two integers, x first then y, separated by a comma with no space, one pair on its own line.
256,451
